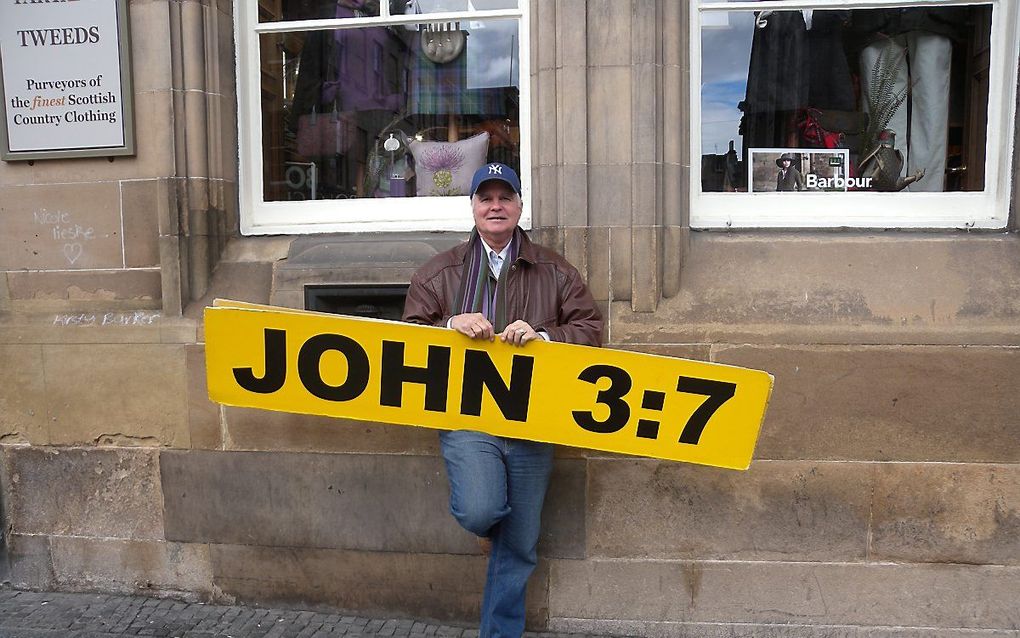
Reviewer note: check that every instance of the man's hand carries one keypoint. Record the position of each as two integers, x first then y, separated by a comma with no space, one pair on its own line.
474,325
518,333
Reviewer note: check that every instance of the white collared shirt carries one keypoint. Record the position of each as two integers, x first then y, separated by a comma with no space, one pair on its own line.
496,260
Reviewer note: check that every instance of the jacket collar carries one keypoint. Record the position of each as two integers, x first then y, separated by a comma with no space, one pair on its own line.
527,250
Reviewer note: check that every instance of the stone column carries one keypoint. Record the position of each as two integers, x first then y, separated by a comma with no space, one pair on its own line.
203,193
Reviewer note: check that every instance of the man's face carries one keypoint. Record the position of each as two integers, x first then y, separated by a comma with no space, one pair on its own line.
497,209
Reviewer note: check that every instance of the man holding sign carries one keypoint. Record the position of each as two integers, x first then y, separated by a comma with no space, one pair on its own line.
499,284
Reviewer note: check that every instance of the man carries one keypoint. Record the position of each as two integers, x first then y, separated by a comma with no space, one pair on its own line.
499,284
788,178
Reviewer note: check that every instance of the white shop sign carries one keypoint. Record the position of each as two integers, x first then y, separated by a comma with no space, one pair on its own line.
66,89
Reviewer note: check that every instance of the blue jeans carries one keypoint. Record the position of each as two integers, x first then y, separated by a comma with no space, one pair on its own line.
497,486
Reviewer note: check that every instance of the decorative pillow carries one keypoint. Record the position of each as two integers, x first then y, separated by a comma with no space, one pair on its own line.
446,168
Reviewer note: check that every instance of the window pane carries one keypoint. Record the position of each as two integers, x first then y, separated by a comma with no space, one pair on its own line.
895,99
277,10
443,6
388,111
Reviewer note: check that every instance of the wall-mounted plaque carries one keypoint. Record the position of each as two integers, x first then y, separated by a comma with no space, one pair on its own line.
65,67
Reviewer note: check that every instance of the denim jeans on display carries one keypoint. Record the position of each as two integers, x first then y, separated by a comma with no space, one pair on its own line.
497,486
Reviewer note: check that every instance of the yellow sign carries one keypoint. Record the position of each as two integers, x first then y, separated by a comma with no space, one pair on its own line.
391,372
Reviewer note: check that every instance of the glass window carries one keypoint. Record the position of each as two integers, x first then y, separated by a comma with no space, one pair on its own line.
873,116
373,118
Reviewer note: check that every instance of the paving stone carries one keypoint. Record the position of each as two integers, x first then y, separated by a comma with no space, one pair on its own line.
26,614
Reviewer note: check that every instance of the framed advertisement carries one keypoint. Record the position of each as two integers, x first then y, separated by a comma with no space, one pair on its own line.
771,170
65,79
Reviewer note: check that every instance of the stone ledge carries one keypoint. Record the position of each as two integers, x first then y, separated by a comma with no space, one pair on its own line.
82,326
949,597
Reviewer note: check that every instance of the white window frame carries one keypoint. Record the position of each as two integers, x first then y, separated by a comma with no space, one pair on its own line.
988,209
260,217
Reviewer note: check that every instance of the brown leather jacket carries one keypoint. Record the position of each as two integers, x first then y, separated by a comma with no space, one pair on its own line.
543,289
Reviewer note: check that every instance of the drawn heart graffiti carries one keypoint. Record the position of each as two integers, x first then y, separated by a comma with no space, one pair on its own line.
72,252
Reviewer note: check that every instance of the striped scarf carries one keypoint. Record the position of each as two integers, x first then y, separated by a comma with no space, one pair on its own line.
478,291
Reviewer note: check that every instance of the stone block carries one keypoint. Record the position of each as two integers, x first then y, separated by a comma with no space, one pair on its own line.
150,47
288,298
887,403
774,511
62,291
5,294
645,200
609,32
543,36
203,415
674,239
620,246
22,395
646,126
139,205
80,327
131,566
338,502
674,33
228,140
646,279
575,248
437,586
310,500
871,289
571,33
646,31
110,493
440,586
272,248
573,195
672,629
571,118
599,267
609,112
543,206
696,351
609,198
262,430
60,226
834,594
563,515
178,330
672,196
239,281
947,513
117,394
25,562
225,55
546,119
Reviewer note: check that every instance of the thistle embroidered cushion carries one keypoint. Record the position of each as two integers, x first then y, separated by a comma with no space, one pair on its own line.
445,168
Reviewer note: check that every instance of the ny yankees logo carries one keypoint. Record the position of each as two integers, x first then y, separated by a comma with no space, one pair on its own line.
495,169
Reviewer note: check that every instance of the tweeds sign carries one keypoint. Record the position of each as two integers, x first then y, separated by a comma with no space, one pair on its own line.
391,372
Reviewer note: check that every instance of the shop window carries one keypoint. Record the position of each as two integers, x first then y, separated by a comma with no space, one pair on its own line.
369,115
854,113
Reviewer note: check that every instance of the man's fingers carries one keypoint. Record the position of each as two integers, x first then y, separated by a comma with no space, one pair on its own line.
517,333
473,325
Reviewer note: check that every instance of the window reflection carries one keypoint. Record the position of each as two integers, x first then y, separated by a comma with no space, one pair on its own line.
901,93
396,111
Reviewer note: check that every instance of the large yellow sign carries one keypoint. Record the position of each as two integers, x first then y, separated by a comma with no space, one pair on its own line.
374,370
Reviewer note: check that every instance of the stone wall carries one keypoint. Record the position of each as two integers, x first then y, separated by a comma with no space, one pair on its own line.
883,499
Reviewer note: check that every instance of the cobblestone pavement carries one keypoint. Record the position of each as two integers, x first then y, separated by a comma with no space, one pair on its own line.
62,615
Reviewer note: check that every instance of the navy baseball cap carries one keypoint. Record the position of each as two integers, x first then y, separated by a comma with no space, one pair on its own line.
495,170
